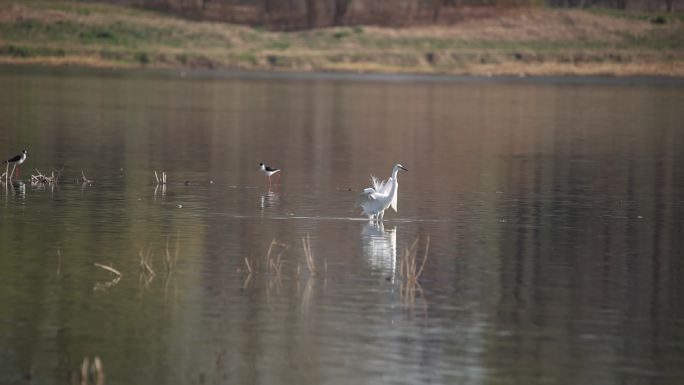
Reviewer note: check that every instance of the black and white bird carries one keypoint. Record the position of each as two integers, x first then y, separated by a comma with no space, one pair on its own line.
268,171
16,160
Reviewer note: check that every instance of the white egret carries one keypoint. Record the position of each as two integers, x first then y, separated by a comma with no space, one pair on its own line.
376,199
268,171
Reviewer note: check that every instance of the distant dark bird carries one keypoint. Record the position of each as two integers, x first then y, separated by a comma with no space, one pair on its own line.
16,160
268,171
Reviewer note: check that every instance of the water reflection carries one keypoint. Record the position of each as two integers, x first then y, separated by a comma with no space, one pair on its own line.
159,189
555,234
380,248
268,199
15,188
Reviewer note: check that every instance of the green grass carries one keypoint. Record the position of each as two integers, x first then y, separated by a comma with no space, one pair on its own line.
22,51
634,15
280,45
653,41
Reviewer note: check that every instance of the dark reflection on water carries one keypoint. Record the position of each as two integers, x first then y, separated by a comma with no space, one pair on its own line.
554,212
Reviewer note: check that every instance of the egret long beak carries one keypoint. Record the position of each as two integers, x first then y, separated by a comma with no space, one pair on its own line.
403,168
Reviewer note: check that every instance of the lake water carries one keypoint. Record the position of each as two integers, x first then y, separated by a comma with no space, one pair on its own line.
553,210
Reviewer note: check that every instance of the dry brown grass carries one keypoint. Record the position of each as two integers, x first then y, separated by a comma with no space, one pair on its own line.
527,24
522,41
41,179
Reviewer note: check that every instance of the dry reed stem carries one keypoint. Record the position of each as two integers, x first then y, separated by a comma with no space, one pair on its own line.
308,254
274,264
59,262
145,263
162,179
410,272
249,267
169,260
84,370
306,295
408,269
84,179
44,179
109,268
102,286
407,293
247,281
92,371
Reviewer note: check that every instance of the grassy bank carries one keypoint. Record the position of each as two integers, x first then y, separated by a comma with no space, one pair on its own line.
515,41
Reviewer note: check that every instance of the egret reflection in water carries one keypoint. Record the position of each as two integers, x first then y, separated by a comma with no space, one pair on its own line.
380,247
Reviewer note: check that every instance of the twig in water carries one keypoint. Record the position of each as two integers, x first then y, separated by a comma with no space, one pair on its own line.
108,284
109,268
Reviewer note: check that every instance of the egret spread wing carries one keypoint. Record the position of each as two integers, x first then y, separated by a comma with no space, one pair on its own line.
377,183
368,192
394,203
372,197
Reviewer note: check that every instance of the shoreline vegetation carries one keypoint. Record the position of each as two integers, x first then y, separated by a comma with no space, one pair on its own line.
524,41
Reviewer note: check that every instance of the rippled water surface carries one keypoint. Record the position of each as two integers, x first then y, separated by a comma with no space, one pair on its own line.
553,211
